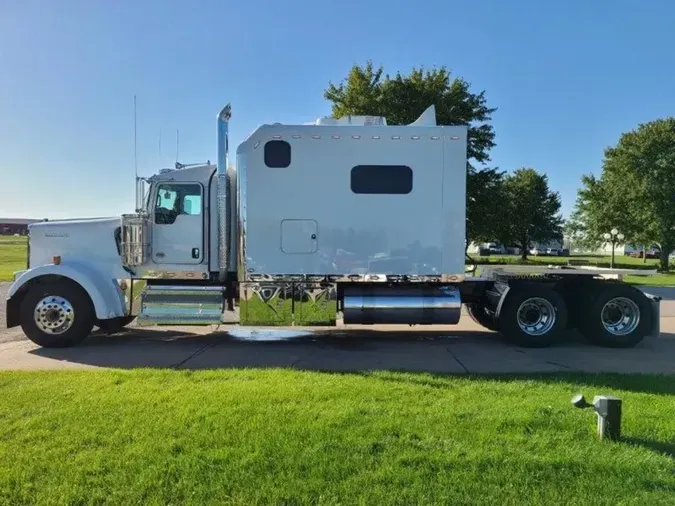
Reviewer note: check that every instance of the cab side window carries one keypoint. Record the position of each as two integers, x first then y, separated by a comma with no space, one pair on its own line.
175,199
192,205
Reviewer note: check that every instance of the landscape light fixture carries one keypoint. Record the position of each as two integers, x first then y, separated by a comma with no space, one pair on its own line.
614,237
608,409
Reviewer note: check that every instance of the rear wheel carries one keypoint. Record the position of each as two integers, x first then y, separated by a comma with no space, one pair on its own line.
618,316
478,313
56,314
533,316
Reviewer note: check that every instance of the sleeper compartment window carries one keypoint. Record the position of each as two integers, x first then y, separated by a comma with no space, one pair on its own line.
382,179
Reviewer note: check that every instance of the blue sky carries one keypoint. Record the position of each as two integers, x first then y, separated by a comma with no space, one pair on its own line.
567,79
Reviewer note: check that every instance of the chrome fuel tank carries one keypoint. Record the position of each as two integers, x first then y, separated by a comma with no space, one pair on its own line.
410,304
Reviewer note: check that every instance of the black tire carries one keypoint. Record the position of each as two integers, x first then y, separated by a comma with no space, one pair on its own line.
532,295
115,324
591,320
63,290
478,314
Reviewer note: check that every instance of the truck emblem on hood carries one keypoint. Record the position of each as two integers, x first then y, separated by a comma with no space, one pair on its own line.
56,234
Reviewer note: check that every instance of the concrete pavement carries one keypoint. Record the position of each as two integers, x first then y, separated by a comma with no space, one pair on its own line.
464,348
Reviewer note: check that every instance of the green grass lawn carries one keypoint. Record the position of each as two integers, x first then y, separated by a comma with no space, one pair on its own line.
286,437
12,256
661,279
620,262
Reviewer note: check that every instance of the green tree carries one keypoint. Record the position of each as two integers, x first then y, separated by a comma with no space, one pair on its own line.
484,205
598,211
636,190
403,98
530,210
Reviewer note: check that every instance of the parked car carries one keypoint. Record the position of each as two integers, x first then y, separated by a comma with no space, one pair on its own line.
495,249
553,252
650,253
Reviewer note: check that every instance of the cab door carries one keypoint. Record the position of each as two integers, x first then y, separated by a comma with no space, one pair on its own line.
178,224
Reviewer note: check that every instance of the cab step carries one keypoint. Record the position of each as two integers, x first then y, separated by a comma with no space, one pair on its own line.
181,305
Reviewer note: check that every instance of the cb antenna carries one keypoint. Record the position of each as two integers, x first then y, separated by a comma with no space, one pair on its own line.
135,142
138,182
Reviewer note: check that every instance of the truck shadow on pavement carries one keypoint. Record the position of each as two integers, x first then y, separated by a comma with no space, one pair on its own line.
334,350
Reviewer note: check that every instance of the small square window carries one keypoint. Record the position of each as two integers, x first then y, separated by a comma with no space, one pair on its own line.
277,154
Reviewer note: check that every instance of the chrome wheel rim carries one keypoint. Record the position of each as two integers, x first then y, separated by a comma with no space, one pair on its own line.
54,315
536,316
620,316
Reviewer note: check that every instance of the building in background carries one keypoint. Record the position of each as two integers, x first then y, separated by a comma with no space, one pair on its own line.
15,226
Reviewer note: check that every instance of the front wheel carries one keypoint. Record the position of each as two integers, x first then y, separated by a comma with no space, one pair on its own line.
57,314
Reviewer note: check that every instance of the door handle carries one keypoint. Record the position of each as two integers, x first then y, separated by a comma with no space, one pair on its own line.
159,254
313,236
195,252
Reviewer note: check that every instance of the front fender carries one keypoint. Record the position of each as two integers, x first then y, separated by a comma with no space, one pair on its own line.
104,292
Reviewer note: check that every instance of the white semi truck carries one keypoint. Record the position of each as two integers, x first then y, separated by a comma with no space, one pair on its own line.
345,219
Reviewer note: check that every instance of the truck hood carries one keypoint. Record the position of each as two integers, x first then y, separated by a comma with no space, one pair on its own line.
90,240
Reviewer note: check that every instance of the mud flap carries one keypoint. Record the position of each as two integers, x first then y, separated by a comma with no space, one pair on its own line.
655,303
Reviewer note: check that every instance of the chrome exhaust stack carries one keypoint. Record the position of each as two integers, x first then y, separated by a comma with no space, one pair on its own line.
223,160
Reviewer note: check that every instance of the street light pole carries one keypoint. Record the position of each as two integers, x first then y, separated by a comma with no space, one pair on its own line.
614,236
